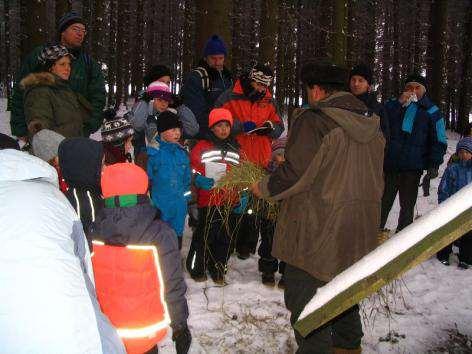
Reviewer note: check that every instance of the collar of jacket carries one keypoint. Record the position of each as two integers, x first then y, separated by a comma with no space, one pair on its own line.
213,73
126,201
167,145
238,90
43,78
425,102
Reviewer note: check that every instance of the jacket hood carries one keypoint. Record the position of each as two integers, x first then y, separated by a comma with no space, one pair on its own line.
213,73
41,79
125,223
80,160
352,115
17,165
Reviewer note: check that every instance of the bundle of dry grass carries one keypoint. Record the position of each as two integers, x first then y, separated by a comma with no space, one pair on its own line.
238,180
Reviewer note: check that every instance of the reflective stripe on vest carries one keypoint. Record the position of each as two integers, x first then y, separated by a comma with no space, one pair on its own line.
151,329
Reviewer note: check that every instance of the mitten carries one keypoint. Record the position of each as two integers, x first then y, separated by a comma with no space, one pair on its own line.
203,182
241,207
248,126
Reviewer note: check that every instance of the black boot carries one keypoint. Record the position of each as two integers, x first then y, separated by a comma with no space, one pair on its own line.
268,279
182,338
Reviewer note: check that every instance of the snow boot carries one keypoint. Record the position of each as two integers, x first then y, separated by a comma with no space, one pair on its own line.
268,279
463,265
281,283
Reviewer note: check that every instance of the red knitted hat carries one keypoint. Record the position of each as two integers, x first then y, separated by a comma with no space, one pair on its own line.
122,179
219,114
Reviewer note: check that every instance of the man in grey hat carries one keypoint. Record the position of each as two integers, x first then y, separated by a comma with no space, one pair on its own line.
86,77
330,187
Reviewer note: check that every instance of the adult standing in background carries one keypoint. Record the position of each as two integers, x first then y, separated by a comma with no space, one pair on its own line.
205,83
417,142
85,78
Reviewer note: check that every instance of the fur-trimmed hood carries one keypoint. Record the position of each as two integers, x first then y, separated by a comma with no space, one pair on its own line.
40,79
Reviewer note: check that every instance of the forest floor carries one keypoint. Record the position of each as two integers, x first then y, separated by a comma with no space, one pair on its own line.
429,310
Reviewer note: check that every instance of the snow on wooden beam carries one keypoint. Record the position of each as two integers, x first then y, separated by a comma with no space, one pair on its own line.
408,248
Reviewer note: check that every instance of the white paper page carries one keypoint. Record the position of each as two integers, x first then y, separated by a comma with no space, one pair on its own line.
215,170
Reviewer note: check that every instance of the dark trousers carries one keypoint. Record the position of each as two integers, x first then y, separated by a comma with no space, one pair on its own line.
406,185
268,263
210,245
465,249
344,331
247,234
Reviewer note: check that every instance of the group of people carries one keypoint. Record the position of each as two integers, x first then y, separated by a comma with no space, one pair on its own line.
335,176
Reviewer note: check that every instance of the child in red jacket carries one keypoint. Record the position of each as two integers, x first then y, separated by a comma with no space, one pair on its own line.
211,158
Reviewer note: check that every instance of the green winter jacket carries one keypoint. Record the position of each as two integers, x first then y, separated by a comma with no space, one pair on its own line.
86,78
49,103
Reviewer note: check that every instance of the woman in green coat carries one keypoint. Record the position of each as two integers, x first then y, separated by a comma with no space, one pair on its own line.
49,102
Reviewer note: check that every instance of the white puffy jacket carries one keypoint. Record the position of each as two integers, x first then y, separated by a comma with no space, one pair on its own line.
47,298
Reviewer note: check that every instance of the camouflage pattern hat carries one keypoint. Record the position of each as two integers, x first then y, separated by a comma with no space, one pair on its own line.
51,53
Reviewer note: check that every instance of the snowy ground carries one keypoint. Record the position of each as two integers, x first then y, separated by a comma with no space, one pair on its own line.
431,308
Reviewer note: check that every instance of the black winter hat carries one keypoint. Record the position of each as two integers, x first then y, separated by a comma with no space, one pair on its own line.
68,19
416,77
168,120
323,73
155,73
7,142
362,70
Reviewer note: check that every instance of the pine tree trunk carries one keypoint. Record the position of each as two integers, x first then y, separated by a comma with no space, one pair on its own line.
189,53
213,17
34,13
386,51
339,42
465,92
268,31
437,55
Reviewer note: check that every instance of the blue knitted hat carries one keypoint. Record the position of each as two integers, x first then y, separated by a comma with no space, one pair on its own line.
465,144
68,19
215,46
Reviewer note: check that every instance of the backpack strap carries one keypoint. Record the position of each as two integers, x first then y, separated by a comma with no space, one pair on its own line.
203,73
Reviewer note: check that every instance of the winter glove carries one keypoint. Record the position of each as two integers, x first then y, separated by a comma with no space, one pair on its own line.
182,339
432,172
203,182
266,128
248,126
241,207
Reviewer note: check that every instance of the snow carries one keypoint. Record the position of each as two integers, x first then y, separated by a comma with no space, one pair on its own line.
246,317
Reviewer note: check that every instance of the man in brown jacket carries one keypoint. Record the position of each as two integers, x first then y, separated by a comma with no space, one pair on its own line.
330,188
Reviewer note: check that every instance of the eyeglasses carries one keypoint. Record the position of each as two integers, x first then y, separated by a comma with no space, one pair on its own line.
79,30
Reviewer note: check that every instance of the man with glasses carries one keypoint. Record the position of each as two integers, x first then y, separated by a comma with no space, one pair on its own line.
86,77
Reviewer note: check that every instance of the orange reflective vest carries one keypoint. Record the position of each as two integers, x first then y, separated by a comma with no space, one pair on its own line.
130,290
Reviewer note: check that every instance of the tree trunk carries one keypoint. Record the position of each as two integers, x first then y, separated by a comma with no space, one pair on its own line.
268,31
189,53
111,77
34,13
77,6
386,52
213,17
339,42
465,128
437,55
